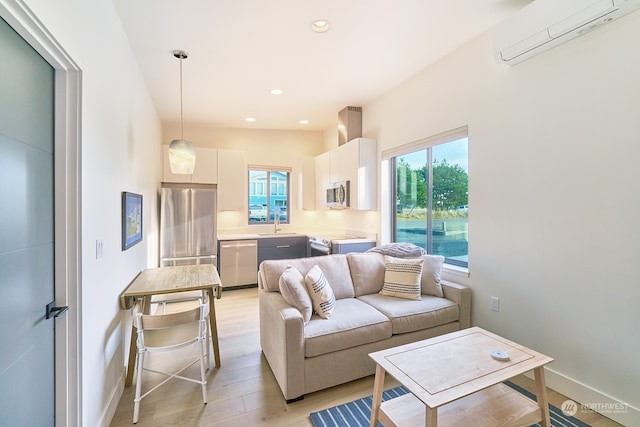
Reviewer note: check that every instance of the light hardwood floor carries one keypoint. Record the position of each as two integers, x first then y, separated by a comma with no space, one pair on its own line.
243,392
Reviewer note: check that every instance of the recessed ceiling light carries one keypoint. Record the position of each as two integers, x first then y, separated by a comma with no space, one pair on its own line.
320,25
276,91
250,119
304,122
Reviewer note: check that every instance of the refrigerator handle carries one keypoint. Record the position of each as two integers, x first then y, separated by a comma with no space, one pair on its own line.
192,212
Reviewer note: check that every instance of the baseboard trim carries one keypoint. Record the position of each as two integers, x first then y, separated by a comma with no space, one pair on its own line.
114,401
592,399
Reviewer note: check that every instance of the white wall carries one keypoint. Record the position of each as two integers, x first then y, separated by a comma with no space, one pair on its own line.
331,137
120,152
553,149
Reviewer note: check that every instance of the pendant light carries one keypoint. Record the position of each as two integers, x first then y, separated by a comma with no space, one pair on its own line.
182,155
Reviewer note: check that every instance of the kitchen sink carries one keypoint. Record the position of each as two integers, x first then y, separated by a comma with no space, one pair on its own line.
276,234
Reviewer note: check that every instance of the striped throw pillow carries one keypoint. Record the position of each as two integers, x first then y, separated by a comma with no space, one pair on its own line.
322,297
402,277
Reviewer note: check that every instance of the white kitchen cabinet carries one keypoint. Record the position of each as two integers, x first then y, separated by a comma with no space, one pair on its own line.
307,183
356,162
334,165
232,180
323,178
205,171
227,168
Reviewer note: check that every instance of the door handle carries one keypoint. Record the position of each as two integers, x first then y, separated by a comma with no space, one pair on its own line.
242,245
52,311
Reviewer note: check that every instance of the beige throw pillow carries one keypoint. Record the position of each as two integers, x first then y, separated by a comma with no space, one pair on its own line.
322,297
402,277
431,272
294,292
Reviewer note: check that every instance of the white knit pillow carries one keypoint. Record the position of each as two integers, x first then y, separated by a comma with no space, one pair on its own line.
431,275
322,297
402,277
294,292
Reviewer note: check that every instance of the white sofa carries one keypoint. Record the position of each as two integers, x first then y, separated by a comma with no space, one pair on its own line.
325,352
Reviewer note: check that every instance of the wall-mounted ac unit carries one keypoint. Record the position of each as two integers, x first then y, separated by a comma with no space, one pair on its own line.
544,24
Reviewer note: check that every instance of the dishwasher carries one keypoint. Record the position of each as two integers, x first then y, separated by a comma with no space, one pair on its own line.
238,262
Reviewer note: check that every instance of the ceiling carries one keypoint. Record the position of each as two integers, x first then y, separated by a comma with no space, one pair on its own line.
239,50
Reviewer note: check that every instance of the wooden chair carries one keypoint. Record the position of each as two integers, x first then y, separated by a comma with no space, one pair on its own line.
168,332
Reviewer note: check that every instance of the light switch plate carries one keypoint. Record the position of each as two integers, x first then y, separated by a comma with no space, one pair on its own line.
495,303
99,245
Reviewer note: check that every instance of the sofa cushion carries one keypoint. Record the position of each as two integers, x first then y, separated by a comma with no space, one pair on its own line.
322,296
353,323
431,275
367,272
294,292
335,268
409,316
402,277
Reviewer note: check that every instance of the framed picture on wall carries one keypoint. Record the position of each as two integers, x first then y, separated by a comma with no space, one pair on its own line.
131,219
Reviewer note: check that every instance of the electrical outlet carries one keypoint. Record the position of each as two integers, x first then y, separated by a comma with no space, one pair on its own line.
99,252
495,303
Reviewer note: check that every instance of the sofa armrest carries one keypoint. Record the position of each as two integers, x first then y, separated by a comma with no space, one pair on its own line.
282,342
261,278
461,295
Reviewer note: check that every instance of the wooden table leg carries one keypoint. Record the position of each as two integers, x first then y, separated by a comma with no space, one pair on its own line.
431,417
541,396
378,386
214,327
133,346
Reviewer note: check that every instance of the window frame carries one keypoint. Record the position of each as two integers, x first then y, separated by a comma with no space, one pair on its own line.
391,156
266,192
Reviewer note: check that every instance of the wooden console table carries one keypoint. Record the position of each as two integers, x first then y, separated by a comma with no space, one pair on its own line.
452,379
167,280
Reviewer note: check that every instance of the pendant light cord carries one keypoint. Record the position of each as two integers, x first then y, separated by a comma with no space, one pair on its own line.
181,54
181,113
182,155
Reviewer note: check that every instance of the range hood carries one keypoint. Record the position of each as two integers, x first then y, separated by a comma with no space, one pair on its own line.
349,124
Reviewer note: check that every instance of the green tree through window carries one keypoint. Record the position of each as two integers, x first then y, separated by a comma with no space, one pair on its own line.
450,185
432,199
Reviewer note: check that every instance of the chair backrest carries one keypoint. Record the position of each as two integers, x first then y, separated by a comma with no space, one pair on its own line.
170,330
179,297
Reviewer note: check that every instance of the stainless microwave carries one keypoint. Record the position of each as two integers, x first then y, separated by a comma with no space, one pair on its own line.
338,195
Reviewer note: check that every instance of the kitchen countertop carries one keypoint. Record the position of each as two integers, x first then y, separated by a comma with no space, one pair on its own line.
353,240
250,236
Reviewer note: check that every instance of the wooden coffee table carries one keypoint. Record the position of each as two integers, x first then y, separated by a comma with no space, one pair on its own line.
453,380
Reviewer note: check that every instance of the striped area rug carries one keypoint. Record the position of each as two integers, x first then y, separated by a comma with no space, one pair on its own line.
358,412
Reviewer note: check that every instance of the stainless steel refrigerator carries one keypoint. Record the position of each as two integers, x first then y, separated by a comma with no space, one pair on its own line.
188,224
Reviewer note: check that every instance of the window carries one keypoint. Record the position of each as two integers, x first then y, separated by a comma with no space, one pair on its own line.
431,203
268,194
